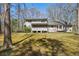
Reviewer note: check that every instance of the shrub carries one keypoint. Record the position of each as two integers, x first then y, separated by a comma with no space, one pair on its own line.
27,29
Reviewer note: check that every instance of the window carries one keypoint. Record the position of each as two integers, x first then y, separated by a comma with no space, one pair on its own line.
60,26
39,31
34,31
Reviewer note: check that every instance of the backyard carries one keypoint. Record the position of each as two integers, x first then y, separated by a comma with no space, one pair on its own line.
48,44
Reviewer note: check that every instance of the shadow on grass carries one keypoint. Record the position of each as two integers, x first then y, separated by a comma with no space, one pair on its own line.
23,39
39,47
5,52
8,51
56,47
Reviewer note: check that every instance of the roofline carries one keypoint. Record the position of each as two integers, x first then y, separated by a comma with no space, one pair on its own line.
51,24
36,19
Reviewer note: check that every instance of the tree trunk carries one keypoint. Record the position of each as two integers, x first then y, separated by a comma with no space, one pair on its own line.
0,27
78,19
0,21
7,27
19,18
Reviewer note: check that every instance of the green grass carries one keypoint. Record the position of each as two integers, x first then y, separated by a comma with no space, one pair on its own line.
58,43
15,37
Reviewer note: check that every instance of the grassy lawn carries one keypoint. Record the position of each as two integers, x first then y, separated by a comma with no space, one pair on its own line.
44,44
15,37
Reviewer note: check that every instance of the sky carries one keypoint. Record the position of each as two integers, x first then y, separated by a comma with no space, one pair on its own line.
42,7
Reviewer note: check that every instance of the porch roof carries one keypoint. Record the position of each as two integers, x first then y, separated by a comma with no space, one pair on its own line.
36,19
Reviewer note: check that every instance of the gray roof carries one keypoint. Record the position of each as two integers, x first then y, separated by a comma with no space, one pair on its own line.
36,19
53,23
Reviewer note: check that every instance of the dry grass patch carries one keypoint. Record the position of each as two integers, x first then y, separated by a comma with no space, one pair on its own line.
46,44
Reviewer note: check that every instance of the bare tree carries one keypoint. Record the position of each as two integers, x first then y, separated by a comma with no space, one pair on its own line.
20,15
24,14
63,14
35,13
0,20
78,18
7,27
0,26
18,12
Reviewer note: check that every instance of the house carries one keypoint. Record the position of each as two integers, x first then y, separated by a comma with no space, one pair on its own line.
42,25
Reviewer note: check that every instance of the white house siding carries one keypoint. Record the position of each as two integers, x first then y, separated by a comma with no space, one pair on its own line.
52,29
36,22
60,28
69,29
39,29
47,29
